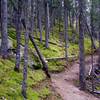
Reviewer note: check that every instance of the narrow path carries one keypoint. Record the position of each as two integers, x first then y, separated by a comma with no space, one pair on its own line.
64,83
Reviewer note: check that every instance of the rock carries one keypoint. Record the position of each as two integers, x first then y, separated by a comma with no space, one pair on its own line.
22,51
30,63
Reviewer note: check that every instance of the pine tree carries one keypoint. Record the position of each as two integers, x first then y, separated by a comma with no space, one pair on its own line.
4,32
81,46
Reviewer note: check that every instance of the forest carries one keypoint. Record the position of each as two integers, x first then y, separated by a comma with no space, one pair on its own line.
49,49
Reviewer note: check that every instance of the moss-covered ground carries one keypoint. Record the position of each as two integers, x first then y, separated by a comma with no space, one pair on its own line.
38,86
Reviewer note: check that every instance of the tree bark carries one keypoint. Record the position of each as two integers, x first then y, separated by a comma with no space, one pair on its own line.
81,47
66,28
32,16
45,66
92,24
18,35
0,16
40,19
4,33
47,23
26,36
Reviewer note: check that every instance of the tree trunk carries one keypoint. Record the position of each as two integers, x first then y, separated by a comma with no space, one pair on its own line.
0,17
47,24
45,66
4,33
89,31
81,47
26,36
99,36
77,25
40,19
73,30
18,34
70,18
66,28
77,17
92,24
32,16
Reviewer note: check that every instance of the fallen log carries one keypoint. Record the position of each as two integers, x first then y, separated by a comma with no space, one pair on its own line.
31,37
56,58
44,63
61,58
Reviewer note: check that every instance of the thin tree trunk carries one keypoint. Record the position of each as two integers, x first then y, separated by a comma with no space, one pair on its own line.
45,66
77,17
26,35
81,47
32,16
52,19
66,28
70,18
88,29
40,19
0,16
73,30
77,25
47,24
18,35
92,25
99,37
4,33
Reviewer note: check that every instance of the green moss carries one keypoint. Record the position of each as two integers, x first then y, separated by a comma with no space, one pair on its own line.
35,77
54,50
56,66
11,81
44,93
73,49
98,88
32,95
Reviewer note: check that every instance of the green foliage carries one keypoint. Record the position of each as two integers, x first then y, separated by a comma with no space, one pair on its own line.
11,81
56,66
44,93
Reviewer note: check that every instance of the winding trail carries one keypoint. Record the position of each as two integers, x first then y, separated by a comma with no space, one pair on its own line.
64,83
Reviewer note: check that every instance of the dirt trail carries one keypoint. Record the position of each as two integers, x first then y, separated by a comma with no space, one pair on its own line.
64,83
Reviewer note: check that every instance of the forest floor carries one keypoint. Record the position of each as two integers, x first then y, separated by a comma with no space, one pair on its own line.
65,83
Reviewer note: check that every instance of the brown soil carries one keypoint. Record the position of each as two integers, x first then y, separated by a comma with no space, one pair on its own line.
64,83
